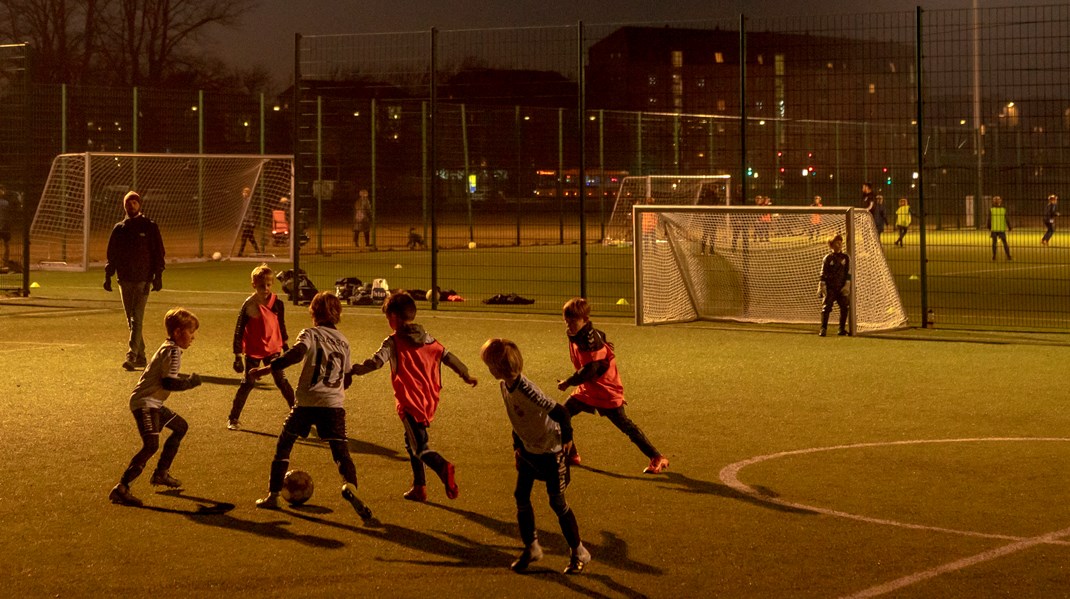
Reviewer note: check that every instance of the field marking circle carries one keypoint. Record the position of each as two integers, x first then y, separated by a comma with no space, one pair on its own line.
729,475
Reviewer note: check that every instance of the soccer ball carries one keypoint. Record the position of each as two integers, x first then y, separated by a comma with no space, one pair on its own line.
217,256
471,245
297,487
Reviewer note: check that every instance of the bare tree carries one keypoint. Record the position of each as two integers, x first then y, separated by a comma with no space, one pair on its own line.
134,42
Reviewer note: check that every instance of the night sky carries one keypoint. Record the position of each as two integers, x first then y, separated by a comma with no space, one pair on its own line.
266,35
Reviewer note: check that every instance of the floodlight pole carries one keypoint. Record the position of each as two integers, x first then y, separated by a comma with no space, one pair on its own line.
852,257
582,108
923,255
743,109
434,167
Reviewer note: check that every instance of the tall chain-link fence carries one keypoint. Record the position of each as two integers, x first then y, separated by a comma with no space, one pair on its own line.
492,159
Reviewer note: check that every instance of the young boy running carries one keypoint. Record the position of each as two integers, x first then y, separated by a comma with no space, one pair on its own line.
320,399
160,378
542,435
415,359
261,335
598,385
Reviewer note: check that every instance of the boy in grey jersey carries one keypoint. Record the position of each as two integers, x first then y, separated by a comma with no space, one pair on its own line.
160,378
542,434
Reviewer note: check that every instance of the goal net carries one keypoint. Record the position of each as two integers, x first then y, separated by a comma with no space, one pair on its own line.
196,199
692,190
756,264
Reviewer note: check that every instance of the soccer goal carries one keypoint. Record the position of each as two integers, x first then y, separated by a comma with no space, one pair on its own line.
196,199
662,189
756,264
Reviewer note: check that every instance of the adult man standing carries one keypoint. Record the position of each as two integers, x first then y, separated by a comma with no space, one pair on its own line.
136,254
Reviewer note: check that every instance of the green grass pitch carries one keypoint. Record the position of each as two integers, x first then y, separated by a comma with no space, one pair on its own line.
914,464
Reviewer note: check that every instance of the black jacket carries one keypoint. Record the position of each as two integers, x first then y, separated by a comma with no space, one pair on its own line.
135,250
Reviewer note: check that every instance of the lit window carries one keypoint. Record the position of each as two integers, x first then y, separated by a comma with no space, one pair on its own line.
718,57
677,58
761,59
652,80
872,88
701,83
722,105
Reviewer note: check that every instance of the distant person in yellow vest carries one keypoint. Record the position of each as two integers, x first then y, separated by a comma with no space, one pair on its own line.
902,220
999,224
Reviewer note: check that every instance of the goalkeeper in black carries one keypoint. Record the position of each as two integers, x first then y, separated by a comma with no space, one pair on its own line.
835,285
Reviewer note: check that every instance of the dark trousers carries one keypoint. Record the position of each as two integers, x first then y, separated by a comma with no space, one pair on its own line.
902,234
1000,236
835,297
135,295
330,424
250,236
150,423
620,420
247,385
418,446
356,237
1050,224
553,469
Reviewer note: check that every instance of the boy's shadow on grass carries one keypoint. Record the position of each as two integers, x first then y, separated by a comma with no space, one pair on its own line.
459,552
216,513
612,550
687,484
355,445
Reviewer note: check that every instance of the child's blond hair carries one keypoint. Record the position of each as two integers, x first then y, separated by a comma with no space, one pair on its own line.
261,272
325,308
835,238
180,318
576,308
502,358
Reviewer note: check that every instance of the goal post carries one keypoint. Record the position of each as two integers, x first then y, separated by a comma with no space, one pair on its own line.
662,189
756,264
196,199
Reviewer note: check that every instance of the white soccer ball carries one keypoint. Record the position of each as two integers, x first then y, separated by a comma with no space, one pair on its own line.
217,256
471,245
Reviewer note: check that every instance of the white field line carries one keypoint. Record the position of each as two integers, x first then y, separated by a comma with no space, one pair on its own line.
988,270
729,475
959,564
17,346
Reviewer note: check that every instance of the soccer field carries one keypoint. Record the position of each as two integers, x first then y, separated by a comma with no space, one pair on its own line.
916,464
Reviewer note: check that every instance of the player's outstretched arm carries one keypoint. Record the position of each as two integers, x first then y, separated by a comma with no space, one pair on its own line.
455,364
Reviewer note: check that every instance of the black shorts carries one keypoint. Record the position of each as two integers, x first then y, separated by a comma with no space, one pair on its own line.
551,468
330,422
151,421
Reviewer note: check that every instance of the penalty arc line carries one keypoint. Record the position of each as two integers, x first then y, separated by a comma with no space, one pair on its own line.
729,475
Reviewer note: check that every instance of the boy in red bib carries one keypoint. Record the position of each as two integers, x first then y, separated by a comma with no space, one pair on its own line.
598,386
416,359
261,335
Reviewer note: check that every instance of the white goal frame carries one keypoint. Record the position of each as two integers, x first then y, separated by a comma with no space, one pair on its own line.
658,189
869,269
197,203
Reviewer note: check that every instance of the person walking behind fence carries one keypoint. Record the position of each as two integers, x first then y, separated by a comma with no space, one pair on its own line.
998,225
902,220
248,224
362,219
880,218
136,255
1050,213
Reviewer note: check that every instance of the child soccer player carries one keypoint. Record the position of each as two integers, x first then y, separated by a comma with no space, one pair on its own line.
160,378
598,385
261,335
998,225
902,220
542,435
320,399
415,359
835,284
